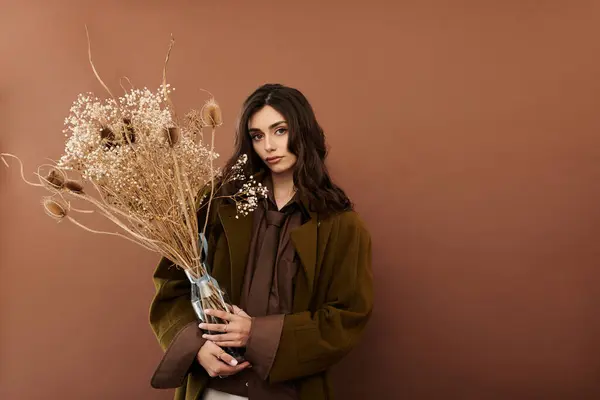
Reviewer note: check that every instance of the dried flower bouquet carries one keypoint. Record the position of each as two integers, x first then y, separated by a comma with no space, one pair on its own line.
132,161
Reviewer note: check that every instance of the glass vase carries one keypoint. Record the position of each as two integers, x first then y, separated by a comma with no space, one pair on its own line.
207,293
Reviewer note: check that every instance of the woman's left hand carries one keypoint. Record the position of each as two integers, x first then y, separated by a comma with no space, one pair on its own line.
236,331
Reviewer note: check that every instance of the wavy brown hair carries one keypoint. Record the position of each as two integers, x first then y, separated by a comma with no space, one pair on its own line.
306,142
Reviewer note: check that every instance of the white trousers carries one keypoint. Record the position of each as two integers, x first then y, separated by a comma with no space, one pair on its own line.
212,394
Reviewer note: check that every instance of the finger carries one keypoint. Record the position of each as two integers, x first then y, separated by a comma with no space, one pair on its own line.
214,327
232,343
231,327
243,365
213,348
226,370
222,337
211,373
220,314
223,356
239,311
220,367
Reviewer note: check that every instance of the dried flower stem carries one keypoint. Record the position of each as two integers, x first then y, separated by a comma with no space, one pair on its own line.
212,181
2,155
169,102
74,221
184,204
92,64
128,81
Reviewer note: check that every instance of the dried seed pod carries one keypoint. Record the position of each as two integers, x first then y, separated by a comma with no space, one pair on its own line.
107,134
172,135
74,187
55,179
128,131
108,137
54,209
211,114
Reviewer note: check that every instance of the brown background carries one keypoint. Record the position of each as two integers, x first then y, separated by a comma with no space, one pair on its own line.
467,133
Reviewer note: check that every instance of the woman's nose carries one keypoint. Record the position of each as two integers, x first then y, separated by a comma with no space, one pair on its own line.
269,145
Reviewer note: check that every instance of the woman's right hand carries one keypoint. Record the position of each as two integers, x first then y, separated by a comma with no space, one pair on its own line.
217,362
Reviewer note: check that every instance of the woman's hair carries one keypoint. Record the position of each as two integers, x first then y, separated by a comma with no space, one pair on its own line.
306,142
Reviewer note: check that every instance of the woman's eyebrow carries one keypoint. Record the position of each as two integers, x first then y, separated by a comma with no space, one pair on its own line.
270,127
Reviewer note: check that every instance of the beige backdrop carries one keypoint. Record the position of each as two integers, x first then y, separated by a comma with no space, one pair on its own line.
467,133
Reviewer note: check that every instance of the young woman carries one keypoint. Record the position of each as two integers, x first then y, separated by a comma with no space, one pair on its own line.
298,270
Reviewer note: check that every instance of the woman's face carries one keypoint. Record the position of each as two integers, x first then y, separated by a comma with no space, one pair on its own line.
268,131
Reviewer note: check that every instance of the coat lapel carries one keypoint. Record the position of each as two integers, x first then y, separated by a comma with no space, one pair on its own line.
305,239
239,234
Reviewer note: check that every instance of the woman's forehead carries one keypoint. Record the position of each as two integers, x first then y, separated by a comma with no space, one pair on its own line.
264,118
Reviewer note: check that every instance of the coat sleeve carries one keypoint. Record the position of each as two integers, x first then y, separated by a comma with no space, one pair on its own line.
175,325
311,342
171,308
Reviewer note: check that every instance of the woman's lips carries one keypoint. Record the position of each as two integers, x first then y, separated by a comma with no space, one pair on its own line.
274,160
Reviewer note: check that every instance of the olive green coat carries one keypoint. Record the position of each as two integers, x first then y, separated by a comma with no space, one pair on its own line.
333,298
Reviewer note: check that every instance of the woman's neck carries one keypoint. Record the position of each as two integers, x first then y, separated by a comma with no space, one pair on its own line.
283,188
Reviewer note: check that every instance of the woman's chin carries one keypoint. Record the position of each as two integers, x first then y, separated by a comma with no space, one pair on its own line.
277,170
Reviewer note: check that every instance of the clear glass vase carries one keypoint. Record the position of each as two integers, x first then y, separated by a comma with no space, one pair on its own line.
207,293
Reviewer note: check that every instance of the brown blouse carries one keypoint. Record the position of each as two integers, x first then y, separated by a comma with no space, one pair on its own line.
267,295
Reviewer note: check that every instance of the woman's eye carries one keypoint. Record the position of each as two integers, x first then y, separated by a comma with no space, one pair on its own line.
281,131
257,136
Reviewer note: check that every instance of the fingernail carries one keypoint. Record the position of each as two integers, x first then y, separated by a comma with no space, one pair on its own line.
204,336
234,362
201,326
206,311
